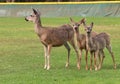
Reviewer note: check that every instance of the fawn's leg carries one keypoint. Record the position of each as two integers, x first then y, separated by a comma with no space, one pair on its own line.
95,60
91,60
78,57
112,55
77,52
86,59
102,56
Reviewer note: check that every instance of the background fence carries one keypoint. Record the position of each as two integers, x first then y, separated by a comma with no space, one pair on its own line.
62,10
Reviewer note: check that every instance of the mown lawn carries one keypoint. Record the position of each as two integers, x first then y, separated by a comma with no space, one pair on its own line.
22,56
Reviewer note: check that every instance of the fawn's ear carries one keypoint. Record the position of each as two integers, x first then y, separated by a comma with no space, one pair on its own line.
91,25
71,20
82,20
84,23
35,11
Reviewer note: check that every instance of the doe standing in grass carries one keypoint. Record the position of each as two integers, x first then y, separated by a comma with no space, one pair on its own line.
54,37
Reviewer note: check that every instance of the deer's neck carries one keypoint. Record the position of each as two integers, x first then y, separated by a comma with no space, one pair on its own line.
38,26
89,41
77,34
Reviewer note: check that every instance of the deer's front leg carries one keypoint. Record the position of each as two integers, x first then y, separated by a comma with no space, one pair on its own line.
102,58
45,56
86,59
48,56
91,60
77,52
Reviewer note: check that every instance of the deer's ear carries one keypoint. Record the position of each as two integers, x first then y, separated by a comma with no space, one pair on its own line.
34,11
38,12
92,25
82,20
71,20
84,24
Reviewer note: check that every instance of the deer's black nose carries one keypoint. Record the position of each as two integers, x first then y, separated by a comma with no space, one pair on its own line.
88,32
75,28
26,19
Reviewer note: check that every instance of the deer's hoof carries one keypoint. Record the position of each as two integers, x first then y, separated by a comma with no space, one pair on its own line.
96,69
45,67
66,65
48,67
86,68
99,67
115,66
90,69
78,66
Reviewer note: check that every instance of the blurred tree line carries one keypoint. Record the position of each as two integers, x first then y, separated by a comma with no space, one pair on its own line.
51,0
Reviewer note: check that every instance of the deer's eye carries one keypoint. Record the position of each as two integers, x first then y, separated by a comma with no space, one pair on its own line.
32,15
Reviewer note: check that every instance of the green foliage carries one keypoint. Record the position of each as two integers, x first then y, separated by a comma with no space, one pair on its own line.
22,56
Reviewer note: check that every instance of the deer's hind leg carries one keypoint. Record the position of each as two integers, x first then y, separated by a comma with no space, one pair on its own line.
91,60
68,57
96,53
101,58
112,55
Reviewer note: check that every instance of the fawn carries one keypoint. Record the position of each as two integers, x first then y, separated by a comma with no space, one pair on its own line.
81,39
96,45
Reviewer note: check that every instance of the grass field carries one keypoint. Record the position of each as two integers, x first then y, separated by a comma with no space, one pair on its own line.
22,56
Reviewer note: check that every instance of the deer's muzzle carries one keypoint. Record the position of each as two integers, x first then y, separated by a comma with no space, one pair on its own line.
76,28
26,19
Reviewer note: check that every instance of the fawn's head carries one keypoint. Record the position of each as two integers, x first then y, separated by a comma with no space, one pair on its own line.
88,29
33,17
76,25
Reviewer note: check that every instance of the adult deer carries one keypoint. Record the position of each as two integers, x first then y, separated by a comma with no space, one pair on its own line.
81,39
54,37
96,45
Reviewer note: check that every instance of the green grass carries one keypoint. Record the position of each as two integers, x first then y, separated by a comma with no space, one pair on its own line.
22,56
